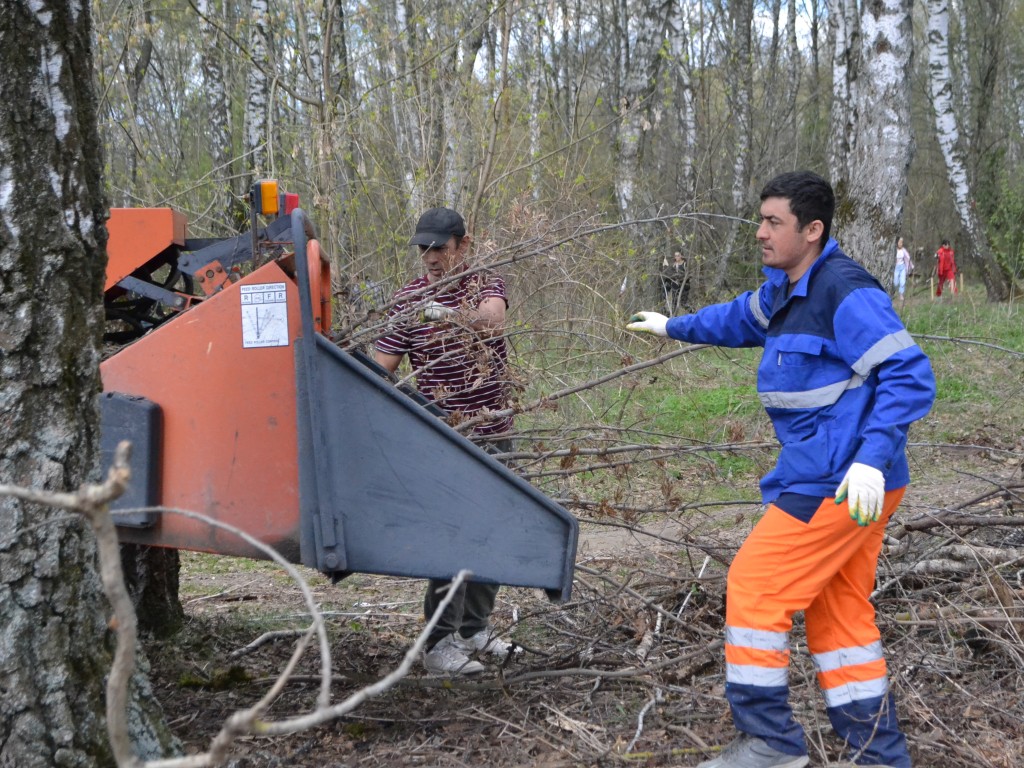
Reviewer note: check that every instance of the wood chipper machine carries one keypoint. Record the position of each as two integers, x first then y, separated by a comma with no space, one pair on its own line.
239,407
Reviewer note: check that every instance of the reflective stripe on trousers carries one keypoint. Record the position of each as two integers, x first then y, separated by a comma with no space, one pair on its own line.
826,568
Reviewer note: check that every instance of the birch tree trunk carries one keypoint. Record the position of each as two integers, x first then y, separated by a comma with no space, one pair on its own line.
339,93
396,60
794,70
562,42
218,110
144,21
461,141
947,131
535,51
639,65
961,71
257,91
844,26
54,643
870,209
497,119
740,84
679,48
433,101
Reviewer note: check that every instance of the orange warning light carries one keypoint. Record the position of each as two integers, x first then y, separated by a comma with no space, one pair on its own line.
265,197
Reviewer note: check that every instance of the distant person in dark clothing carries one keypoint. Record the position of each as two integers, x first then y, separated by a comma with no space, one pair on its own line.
675,281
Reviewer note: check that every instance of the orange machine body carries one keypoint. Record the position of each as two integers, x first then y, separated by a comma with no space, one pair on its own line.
243,411
137,236
224,376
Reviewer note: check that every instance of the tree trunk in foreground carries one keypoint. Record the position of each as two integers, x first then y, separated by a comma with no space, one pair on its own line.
54,642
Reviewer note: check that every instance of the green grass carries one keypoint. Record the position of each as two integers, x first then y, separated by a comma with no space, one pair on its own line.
953,389
977,353
970,317
709,397
698,412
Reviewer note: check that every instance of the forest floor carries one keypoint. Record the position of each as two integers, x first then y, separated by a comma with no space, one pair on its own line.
630,671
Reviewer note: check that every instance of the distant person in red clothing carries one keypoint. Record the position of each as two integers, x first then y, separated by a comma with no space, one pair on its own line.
947,268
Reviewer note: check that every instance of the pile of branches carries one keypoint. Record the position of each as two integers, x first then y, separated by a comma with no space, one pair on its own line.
631,670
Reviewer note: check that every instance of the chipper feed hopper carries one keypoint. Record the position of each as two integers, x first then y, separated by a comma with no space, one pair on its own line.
240,408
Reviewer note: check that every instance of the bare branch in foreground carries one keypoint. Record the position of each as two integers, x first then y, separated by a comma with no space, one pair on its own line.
92,501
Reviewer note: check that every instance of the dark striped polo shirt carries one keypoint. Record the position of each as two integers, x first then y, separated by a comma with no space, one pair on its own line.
453,366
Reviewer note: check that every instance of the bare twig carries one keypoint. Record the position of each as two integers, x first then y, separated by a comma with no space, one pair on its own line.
92,502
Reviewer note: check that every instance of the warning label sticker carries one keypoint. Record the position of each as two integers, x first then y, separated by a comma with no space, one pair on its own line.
264,315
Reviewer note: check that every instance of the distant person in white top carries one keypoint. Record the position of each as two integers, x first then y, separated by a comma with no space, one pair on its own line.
904,266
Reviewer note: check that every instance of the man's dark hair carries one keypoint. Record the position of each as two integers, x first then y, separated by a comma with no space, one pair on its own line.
810,197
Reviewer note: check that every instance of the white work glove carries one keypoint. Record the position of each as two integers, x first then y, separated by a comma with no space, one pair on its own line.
435,310
864,487
648,322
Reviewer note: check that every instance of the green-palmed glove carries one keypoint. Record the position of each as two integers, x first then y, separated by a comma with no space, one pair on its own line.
648,322
864,488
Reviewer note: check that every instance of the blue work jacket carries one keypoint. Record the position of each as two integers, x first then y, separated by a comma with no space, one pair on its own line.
840,378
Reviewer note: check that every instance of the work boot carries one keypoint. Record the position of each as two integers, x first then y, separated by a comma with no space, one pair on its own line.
485,641
449,658
746,751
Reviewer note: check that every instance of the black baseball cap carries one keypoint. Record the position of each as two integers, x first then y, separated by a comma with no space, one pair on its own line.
437,226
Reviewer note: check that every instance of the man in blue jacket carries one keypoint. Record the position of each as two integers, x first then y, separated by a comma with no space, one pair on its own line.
841,380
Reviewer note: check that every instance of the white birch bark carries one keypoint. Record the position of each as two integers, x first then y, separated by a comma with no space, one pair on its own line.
533,86
679,48
639,65
873,196
54,641
218,106
739,77
460,134
961,70
947,131
394,63
844,26
257,90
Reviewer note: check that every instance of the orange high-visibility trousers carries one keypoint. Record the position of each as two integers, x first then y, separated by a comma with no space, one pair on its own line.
826,568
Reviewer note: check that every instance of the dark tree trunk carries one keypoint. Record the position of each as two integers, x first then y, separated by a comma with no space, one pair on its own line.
151,575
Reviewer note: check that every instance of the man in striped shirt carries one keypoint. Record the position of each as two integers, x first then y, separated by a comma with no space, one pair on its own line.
449,322
841,380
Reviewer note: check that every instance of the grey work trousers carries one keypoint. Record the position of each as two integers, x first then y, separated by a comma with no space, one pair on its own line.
470,609
467,613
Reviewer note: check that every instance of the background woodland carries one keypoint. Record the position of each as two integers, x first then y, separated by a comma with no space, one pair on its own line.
603,136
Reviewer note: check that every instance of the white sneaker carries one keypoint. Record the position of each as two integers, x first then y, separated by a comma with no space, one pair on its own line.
746,751
485,641
449,658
